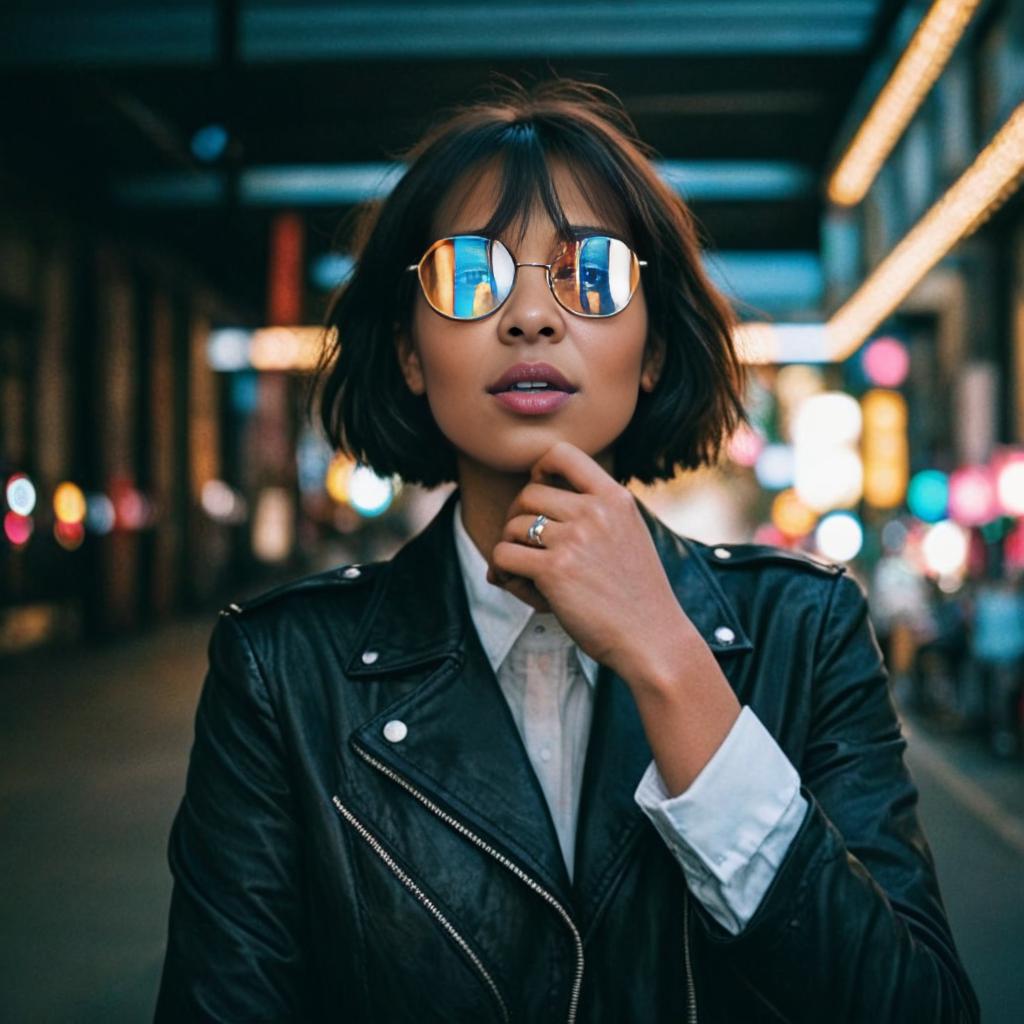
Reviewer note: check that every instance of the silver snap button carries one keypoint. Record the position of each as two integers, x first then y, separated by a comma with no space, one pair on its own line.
724,635
395,731
545,754
723,553
351,573
369,657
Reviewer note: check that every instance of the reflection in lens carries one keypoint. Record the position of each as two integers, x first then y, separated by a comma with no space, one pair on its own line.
504,269
467,276
472,277
596,276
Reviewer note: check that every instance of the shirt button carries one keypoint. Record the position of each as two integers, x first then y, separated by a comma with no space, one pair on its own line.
723,553
724,635
719,858
351,573
369,657
538,629
395,731
545,754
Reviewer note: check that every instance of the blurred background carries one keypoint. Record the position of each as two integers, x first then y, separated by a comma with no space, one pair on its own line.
175,181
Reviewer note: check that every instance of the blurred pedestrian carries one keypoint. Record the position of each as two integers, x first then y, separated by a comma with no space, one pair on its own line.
998,650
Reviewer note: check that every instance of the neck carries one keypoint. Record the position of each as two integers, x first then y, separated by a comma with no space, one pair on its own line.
485,495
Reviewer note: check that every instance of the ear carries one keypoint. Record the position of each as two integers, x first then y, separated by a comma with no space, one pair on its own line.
654,358
409,361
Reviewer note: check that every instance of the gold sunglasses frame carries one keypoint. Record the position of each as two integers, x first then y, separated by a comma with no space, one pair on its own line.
515,273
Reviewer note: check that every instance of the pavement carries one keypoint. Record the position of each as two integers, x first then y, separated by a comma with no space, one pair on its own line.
93,751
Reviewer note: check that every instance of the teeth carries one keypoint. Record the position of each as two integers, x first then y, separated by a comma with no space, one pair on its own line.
530,385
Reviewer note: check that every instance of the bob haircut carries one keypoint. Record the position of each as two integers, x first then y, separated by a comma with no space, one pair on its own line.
365,407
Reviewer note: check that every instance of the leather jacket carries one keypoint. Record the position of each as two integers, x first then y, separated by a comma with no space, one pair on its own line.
327,868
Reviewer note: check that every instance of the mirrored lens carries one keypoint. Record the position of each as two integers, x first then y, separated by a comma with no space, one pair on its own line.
467,276
596,276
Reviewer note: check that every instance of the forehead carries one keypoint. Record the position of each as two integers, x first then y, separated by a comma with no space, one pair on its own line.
473,198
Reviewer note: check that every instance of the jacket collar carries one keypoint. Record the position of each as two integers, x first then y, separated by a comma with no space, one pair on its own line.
462,749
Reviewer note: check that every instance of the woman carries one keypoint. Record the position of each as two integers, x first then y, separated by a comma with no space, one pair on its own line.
552,761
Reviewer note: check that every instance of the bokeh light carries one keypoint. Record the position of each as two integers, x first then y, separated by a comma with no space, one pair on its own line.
885,362
222,503
894,536
745,446
21,494
17,528
339,472
830,418
791,516
829,478
945,548
209,142
839,536
972,496
99,514
928,495
369,494
69,535
774,467
769,533
69,505
1010,484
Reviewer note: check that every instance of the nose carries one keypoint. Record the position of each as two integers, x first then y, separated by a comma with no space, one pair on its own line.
531,311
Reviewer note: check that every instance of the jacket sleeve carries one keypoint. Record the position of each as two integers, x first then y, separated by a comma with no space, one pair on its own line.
236,934
853,927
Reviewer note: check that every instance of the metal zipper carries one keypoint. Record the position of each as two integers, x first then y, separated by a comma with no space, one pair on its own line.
691,995
426,901
503,860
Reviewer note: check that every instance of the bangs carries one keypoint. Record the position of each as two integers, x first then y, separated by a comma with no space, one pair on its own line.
525,153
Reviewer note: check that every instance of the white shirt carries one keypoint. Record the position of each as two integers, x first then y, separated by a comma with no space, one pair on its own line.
729,830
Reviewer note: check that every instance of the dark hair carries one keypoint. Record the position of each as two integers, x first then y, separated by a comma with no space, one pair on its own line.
367,410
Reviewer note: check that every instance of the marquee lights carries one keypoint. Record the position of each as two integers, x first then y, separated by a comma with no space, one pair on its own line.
979,191
915,73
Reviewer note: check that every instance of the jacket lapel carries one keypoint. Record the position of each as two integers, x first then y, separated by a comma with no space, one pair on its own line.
462,748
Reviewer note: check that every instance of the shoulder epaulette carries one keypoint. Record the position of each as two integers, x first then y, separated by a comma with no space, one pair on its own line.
731,555
342,576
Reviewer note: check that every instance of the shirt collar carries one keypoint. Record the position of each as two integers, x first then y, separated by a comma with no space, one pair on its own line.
501,617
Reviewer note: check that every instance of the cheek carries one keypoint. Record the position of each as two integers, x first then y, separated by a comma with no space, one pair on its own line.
618,354
449,373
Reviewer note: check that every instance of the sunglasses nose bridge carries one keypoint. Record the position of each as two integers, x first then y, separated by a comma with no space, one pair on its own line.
546,267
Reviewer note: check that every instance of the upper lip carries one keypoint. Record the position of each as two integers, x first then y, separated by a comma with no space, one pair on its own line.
531,371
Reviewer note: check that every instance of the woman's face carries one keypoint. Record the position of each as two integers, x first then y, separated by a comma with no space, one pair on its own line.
455,363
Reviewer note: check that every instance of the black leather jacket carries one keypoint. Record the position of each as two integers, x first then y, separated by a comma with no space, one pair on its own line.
323,872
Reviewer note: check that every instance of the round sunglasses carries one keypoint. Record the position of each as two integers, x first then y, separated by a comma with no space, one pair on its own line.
468,277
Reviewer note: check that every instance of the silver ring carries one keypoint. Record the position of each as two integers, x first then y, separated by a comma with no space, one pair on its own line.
535,531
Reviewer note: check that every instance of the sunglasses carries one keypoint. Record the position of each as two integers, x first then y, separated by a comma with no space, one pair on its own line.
468,277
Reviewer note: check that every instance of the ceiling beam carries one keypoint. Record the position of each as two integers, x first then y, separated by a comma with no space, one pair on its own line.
342,184
95,34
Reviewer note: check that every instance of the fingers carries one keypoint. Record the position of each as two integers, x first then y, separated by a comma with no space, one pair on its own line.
581,471
552,501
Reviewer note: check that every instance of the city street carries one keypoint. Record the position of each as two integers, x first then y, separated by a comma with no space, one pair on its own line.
95,745
280,283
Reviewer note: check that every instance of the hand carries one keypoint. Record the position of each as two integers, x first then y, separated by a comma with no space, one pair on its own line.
599,571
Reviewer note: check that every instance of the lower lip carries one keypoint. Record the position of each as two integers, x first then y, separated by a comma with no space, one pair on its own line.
532,404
